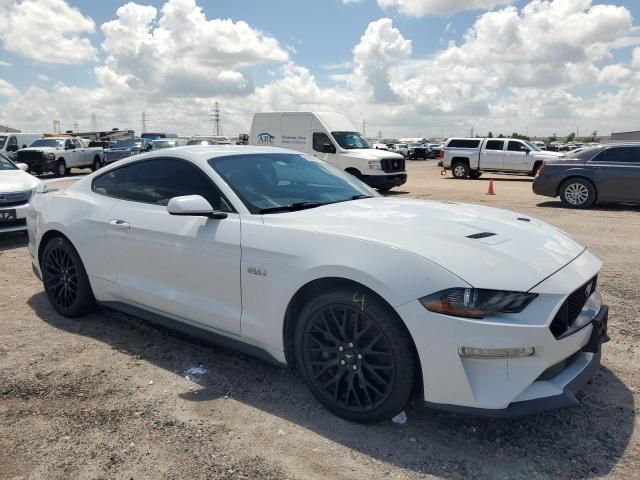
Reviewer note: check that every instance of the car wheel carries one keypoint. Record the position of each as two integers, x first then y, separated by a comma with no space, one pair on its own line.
65,279
61,169
460,170
578,193
96,164
355,355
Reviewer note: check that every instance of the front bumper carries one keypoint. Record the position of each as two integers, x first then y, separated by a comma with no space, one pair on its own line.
19,224
508,386
385,181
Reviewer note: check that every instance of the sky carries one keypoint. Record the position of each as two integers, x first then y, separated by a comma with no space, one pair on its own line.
400,67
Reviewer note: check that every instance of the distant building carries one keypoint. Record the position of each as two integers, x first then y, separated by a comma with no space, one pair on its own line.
8,129
625,136
413,140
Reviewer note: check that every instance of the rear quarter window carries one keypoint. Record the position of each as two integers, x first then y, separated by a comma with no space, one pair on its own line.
463,143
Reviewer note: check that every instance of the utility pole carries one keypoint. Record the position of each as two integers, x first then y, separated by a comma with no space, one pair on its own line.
471,132
380,135
94,122
144,121
216,117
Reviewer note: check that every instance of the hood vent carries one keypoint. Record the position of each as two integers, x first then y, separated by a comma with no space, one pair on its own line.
478,236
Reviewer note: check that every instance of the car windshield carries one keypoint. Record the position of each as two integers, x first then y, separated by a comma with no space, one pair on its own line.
6,164
47,142
350,140
3,140
163,144
281,182
532,146
126,143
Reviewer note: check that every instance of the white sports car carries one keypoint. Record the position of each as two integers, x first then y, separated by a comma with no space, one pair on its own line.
375,300
16,188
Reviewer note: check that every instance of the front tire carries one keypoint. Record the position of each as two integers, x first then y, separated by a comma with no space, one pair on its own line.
61,169
578,193
65,279
355,355
460,170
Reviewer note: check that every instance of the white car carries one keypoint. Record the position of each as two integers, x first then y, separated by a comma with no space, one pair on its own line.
376,300
16,188
60,154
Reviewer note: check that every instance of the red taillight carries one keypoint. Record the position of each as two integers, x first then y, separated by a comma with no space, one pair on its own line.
441,154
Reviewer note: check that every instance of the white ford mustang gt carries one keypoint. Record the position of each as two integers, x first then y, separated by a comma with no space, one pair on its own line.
375,300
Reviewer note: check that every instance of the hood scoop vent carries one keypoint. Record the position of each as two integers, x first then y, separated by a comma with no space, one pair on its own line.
481,235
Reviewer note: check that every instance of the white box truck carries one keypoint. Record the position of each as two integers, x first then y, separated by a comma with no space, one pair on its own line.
332,138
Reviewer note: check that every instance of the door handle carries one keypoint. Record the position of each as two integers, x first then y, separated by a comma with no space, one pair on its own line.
119,224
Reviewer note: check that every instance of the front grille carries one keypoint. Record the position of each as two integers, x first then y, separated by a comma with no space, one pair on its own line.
14,198
571,308
29,157
392,164
22,222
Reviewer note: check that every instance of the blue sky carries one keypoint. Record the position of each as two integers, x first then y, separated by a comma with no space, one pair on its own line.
406,67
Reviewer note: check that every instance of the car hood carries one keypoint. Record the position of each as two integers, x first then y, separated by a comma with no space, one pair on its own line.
16,181
519,255
372,153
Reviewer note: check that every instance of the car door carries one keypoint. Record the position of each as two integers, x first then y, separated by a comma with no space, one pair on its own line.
517,157
186,267
81,153
492,155
616,174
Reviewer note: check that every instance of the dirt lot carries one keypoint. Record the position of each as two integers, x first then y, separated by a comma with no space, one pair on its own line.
107,397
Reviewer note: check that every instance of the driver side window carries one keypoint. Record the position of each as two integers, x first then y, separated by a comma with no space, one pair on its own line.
517,147
157,181
320,140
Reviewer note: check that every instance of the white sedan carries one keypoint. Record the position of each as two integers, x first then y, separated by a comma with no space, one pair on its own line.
375,300
16,188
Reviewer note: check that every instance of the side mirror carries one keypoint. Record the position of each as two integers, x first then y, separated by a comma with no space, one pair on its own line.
193,206
22,166
328,148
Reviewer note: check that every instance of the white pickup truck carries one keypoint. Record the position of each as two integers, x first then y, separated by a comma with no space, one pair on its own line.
59,155
469,157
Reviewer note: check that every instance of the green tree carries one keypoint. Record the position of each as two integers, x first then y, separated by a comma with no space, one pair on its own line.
571,137
490,135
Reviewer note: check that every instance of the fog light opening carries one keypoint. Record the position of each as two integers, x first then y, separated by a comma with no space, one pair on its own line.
473,352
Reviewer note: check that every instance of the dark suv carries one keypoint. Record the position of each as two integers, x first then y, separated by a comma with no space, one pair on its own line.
608,173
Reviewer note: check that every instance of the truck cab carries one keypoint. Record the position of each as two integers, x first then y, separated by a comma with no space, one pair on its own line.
332,138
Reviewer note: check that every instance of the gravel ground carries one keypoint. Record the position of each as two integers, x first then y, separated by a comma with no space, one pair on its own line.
110,396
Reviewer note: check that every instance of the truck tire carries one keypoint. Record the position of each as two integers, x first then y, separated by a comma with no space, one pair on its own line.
61,168
460,170
96,164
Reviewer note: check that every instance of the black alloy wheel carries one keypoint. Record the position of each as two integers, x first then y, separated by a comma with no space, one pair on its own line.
65,279
357,360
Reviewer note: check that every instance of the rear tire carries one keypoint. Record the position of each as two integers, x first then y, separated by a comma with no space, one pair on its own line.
355,355
96,164
65,279
578,193
460,170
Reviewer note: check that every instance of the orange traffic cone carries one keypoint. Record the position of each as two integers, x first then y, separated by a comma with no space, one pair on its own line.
491,192
443,173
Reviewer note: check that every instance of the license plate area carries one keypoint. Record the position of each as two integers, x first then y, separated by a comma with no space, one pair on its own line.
8,215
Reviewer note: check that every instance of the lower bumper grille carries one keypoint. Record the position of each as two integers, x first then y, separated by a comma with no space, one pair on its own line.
571,308
22,222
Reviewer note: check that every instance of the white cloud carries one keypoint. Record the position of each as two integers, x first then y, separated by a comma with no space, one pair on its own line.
42,77
48,31
614,74
635,61
181,52
7,89
420,8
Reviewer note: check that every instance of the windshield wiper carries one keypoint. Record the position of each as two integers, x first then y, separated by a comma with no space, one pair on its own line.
293,207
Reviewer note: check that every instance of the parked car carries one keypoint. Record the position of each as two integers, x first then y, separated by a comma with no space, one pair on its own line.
126,148
162,143
334,139
540,144
16,189
59,155
156,135
469,157
379,146
607,173
212,139
418,151
400,148
286,256
10,143
201,142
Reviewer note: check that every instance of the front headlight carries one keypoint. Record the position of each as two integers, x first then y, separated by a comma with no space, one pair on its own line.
375,165
50,156
475,302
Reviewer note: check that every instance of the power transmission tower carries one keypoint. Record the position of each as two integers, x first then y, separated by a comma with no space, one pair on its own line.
364,128
380,135
94,122
216,117
56,126
76,126
144,121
